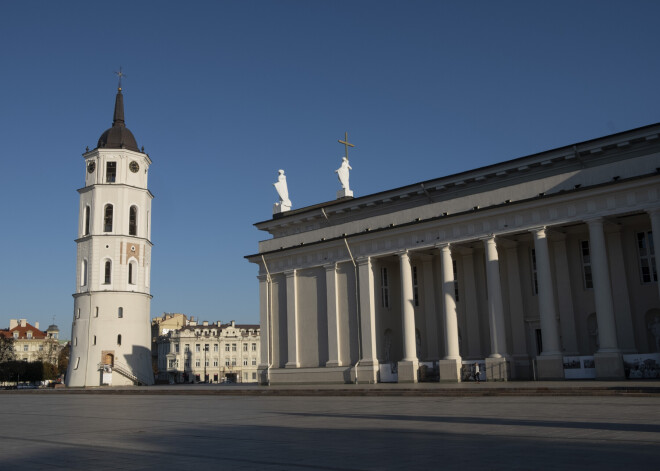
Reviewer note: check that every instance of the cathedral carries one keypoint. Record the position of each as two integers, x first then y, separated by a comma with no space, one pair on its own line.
539,267
111,333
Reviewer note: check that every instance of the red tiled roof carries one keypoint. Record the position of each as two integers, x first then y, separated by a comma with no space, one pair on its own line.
22,331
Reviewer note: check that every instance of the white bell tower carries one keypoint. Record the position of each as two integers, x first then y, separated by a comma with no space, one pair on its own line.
111,334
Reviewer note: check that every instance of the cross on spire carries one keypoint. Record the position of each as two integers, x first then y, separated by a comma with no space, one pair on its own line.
120,74
346,143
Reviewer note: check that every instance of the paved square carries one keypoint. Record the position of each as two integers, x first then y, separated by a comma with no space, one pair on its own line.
85,431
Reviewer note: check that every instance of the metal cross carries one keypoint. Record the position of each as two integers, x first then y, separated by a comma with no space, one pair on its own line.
120,74
346,143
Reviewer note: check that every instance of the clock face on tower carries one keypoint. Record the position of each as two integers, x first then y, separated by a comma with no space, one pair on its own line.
134,167
91,167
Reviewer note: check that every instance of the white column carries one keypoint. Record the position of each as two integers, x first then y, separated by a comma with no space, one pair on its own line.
291,320
407,309
450,318
655,227
471,306
430,309
546,295
367,312
334,344
495,307
602,290
264,311
516,310
565,300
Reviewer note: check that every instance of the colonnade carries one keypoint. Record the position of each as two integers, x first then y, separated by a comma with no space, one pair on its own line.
550,364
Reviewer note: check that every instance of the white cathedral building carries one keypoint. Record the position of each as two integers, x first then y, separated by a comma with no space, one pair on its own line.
529,267
111,334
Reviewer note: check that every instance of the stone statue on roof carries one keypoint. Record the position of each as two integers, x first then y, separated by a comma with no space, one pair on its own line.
283,192
343,174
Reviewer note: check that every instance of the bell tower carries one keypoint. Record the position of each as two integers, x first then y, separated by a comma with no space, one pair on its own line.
111,333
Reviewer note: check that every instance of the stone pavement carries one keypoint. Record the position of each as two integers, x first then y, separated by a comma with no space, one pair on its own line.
192,427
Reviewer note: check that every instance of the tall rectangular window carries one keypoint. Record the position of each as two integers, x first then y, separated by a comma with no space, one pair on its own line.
226,347
86,231
110,172
647,267
120,312
107,218
254,347
215,347
176,347
535,281
233,347
415,286
384,288
586,264
197,347
245,347
186,348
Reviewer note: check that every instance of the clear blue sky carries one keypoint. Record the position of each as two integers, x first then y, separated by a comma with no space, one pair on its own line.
223,94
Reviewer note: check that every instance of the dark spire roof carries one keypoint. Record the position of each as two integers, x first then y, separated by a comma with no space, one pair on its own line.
118,136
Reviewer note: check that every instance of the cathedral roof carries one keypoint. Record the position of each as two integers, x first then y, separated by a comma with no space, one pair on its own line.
118,136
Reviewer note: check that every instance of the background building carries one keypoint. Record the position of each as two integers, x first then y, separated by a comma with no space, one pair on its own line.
209,353
534,266
32,344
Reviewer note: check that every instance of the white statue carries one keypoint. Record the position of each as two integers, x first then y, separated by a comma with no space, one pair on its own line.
343,173
283,192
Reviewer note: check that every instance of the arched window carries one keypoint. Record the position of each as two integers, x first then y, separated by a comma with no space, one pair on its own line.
83,273
119,339
132,221
108,272
120,312
132,272
107,218
86,228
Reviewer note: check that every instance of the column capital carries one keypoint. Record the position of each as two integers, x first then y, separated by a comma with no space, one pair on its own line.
262,277
290,273
403,254
330,266
361,261
540,231
653,211
597,220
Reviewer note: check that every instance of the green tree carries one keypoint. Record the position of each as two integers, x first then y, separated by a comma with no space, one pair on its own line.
63,359
6,349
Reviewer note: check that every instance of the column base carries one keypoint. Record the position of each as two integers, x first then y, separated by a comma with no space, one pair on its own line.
609,366
367,372
292,364
497,369
332,364
550,367
408,371
521,366
450,371
262,374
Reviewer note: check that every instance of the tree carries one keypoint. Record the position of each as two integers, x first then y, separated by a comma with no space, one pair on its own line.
63,359
6,349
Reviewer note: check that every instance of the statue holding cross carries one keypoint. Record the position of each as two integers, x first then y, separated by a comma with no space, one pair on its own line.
343,171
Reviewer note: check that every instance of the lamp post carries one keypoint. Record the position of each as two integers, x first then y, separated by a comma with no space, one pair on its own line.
206,349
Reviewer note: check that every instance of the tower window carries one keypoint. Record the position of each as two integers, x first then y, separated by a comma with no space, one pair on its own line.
120,312
95,340
86,228
131,273
108,272
132,221
83,273
96,312
119,339
111,172
107,218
